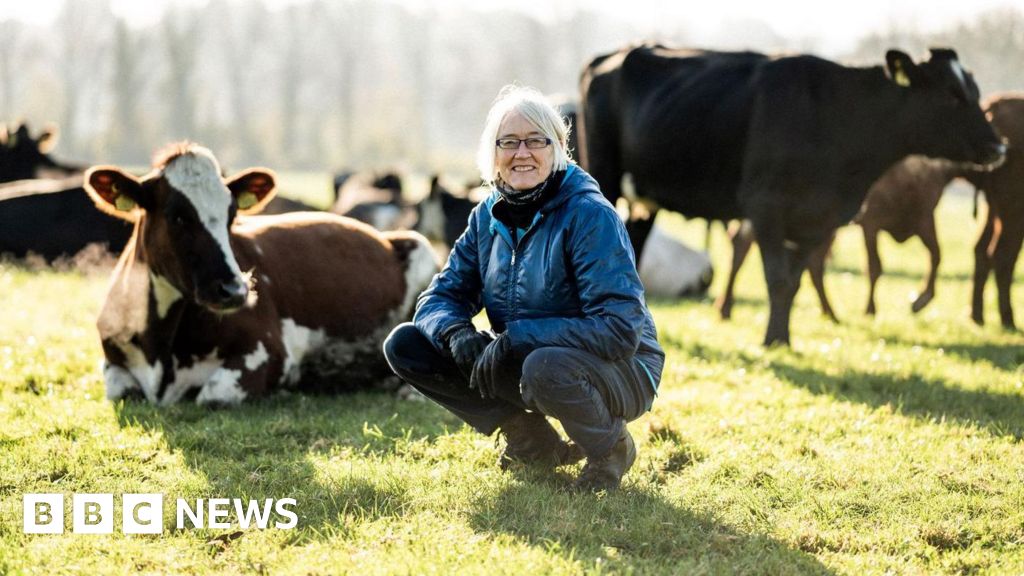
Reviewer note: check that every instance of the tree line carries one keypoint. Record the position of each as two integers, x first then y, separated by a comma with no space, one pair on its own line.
351,83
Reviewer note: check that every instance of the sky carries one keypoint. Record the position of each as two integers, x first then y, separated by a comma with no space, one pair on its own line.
835,26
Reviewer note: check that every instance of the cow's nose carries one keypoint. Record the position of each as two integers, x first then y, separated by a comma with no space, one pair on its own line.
994,156
232,294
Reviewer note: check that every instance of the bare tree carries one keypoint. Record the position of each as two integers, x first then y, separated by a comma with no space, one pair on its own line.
125,126
10,43
180,38
83,38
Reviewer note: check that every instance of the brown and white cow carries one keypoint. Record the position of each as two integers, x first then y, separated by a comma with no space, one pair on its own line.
233,308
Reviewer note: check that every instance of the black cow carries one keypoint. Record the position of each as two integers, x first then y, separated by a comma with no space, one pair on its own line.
55,218
902,202
43,208
791,143
23,157
375,199
443,216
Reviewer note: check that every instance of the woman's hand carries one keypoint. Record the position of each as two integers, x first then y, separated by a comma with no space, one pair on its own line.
487,368
466,345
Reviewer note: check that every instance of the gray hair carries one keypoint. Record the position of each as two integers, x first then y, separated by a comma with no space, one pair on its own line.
534,107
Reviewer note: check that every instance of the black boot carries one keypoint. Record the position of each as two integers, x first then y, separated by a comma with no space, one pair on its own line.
530,439
606,473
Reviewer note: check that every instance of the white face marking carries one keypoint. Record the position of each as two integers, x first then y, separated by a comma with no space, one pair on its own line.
165,293
194,376
298,341
222,388
197,177
668,267
257,357
958,71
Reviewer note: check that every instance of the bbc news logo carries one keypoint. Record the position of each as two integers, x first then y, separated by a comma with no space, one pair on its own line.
144,513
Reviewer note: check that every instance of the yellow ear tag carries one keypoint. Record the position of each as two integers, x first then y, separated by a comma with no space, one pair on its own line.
247,200
124,203
901,77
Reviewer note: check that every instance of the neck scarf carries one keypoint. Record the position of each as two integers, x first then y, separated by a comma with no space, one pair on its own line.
521,215
522,197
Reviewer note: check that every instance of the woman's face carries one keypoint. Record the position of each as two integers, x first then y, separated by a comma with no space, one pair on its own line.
523,168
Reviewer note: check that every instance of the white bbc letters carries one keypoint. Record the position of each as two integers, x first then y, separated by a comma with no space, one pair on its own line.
43,513
92,513
142,513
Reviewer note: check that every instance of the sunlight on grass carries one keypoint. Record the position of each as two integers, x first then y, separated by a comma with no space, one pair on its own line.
880,445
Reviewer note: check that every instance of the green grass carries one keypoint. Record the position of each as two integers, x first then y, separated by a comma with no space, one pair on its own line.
881,445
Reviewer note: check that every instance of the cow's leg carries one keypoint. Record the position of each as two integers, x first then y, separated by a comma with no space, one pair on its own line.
242,377
639,228
874,265
931,242
982,267
1004,260
816,268
741,235
224,388
784,263
119,382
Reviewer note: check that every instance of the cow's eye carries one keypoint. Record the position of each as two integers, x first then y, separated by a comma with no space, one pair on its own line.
181,218
953,97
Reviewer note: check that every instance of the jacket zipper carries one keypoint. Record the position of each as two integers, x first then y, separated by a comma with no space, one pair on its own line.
512,286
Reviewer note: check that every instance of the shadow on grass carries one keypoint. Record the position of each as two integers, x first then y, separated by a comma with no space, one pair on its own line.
632,530
999,413
893,272
1008,356
267,449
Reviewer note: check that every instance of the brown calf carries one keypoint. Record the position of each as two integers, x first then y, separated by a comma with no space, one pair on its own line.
999,244
232,308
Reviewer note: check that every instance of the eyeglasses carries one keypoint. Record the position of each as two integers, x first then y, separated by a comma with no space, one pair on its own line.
531,143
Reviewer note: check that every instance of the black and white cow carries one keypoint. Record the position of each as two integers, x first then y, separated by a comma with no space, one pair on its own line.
232,308
791,143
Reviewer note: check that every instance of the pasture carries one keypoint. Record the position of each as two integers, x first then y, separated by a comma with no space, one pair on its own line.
883,445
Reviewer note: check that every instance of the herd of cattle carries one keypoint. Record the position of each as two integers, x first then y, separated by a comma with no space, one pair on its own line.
211,300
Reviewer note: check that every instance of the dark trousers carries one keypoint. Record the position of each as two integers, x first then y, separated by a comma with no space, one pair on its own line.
592,397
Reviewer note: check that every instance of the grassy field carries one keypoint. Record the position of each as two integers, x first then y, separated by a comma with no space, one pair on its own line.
888,445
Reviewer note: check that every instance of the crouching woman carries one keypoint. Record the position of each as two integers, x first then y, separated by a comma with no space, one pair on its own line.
547,258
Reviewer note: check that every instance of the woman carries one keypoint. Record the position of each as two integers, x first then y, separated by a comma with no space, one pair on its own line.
549,260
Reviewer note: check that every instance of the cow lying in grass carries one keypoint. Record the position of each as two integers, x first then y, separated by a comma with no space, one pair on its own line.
202,302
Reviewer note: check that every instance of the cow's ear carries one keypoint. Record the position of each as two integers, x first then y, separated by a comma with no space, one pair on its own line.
47,140
252,189
115,192
20,134
901,68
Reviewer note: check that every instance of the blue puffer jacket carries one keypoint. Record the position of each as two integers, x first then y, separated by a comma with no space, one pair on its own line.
570,281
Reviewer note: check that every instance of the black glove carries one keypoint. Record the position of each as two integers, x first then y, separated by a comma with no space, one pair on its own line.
488,367
466,344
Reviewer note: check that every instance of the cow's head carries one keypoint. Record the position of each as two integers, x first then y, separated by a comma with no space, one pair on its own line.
944,116
186,210
22,155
